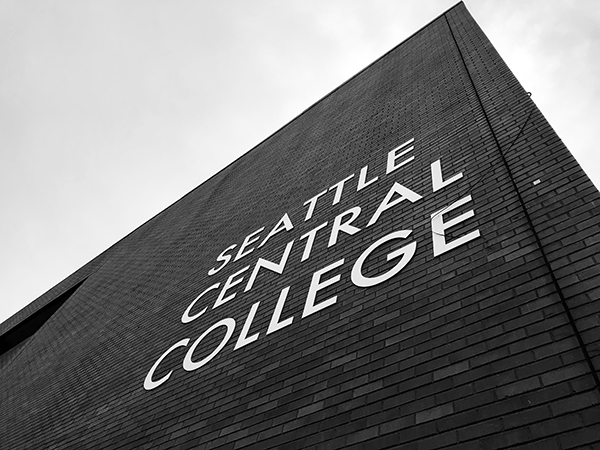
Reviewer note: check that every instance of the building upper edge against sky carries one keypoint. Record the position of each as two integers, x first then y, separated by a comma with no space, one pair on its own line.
53,291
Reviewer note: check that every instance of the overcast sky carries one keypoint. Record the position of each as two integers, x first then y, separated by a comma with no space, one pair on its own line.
111,111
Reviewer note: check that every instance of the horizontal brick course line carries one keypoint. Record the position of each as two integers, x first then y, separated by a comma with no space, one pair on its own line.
403,423
566,396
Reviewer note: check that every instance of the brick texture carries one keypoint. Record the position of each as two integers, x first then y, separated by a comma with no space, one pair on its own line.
491,344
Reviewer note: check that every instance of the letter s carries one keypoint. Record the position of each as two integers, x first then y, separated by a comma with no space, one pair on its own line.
222,257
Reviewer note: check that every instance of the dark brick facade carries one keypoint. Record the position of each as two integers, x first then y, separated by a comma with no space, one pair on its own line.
494,343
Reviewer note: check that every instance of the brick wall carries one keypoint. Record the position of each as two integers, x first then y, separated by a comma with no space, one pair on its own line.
490,344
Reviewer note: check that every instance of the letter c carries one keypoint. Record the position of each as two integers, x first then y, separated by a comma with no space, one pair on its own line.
149,383
186,318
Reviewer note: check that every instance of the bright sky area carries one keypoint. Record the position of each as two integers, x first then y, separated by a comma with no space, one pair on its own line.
112,110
